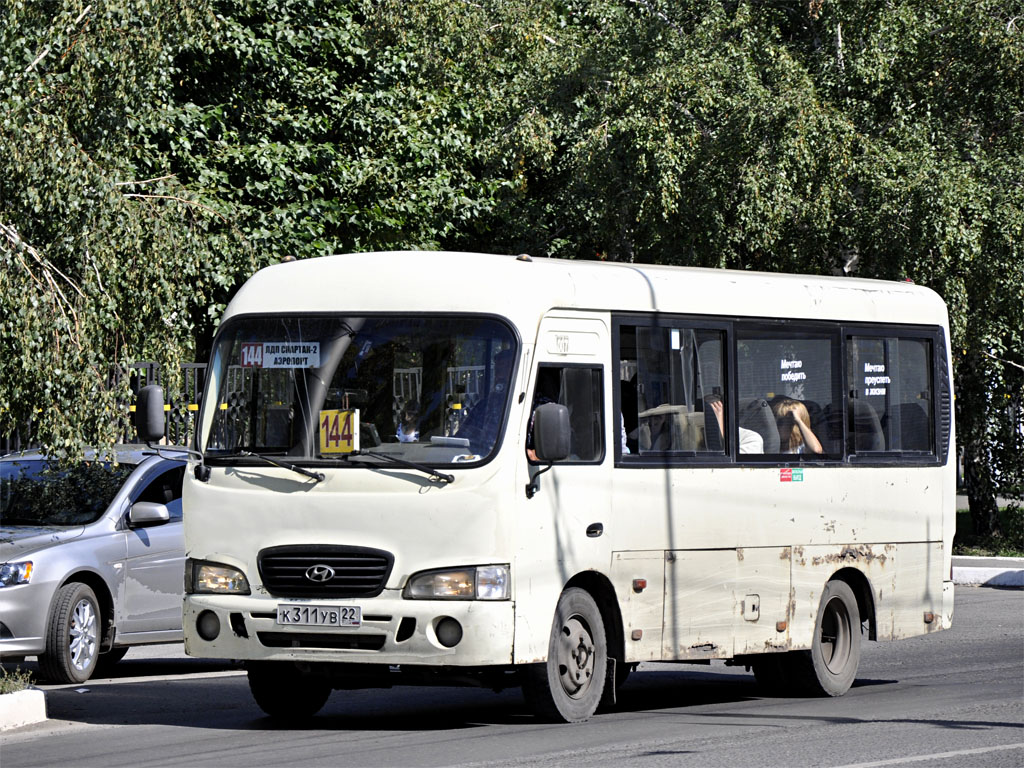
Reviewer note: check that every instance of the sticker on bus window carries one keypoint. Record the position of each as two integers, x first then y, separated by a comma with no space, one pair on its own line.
339,431
787,475
280,354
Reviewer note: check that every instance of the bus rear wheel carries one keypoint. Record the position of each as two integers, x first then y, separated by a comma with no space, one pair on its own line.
284,693
830,667
568,687
835,652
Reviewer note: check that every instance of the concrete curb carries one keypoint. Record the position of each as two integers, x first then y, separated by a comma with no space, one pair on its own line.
989,571
22,708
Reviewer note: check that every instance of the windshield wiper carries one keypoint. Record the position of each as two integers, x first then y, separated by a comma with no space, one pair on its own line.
442,476
318,476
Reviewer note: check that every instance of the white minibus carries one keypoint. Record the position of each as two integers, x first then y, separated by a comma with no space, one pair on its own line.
454,468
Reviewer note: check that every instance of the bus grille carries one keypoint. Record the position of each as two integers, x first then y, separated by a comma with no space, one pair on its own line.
319,570
321,640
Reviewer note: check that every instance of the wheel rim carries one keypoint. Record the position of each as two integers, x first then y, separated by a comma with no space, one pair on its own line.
835,636
575,657
83,635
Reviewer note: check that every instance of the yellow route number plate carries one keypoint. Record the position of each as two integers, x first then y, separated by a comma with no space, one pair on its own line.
339,431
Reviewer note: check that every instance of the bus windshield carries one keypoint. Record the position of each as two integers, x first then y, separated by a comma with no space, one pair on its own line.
430,389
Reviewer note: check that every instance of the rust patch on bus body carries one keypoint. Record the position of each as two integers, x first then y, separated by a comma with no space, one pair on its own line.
704,648
861,554
798,556
739,553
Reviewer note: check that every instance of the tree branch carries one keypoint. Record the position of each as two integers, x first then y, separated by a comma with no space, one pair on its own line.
186,201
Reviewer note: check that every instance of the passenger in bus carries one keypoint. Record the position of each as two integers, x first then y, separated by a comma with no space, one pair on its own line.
794,423
408,425
750,441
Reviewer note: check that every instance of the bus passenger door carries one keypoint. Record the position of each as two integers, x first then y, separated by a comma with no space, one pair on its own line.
562,527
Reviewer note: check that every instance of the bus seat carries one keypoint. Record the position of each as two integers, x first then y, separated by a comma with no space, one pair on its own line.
713,441
757,415
867,429
670,428
912,421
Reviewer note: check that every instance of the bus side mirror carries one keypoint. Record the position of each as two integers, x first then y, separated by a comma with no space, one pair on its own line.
551,432
149,414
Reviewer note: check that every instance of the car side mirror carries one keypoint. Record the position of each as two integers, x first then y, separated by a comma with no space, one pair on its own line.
551,432
147,513
149,414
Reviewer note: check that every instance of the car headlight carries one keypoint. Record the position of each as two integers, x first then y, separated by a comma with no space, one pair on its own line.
481,582
15,573
202,577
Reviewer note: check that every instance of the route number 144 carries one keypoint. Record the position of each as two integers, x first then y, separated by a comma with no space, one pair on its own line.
339,431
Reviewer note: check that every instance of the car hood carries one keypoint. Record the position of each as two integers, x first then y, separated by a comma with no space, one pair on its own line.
17,540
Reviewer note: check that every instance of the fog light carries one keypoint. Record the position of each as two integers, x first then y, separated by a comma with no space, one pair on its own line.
448,631
208,625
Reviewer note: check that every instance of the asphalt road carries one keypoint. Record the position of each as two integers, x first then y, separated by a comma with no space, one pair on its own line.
952,699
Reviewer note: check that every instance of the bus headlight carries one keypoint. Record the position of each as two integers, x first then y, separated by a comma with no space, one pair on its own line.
15,573
481,582
202,577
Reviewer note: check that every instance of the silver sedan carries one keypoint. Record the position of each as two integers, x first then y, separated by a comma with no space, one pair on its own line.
91,558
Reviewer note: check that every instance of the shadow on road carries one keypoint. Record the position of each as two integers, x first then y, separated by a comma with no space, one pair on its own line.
223,701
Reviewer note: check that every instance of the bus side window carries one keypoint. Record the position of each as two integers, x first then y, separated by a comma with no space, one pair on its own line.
890,384
790,389
580,389
679,390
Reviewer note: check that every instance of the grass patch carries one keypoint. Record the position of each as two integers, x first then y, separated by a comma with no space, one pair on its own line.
14,681
1009,544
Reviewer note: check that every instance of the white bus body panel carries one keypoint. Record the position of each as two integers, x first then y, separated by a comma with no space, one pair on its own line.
734,560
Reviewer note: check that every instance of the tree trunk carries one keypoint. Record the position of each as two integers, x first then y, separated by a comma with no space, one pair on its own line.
981,495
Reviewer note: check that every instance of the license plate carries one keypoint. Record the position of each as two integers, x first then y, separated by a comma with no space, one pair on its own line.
320,615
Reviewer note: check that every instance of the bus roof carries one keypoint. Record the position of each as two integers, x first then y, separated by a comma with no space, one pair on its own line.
522,289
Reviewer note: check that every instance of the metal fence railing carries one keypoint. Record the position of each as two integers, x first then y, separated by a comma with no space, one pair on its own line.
181,405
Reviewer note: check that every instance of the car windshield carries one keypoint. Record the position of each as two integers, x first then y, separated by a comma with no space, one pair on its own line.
40,492
426,389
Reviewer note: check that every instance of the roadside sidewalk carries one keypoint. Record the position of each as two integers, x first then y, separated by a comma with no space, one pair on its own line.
989,571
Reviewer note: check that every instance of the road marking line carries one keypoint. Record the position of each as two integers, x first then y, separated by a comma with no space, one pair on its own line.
934,756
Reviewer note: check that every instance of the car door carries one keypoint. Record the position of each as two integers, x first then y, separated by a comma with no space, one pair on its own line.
155,562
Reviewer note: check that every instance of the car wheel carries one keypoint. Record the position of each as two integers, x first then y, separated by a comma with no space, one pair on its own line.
286,694
73,635
569,686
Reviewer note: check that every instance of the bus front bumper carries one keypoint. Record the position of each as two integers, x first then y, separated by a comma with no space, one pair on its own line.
393,631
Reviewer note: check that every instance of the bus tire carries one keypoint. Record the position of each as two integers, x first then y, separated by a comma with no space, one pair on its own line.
284,693
569,686
830,667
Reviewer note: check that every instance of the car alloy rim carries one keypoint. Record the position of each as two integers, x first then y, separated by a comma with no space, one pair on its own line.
83,635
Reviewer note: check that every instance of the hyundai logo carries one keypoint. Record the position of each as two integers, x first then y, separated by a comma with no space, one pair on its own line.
320,573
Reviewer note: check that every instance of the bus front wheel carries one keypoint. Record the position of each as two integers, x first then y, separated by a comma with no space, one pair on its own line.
568,687
284,693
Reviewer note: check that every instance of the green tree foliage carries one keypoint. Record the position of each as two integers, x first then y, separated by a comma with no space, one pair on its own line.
106,257
322,129
881,138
